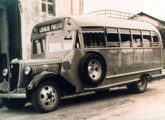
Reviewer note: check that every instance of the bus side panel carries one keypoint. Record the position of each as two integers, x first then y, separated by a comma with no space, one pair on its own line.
114,62
148,58
156,58
127,60
119,61
138,59
127,78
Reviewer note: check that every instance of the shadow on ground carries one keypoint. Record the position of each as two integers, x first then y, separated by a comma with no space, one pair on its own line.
93,97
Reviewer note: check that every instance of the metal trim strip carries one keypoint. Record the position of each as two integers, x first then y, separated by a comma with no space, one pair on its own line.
142,71
111,85
12,95
159,75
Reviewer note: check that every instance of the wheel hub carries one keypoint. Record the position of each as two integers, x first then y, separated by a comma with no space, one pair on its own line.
48,96
94,69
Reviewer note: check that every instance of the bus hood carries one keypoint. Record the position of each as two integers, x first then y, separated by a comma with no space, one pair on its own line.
49,58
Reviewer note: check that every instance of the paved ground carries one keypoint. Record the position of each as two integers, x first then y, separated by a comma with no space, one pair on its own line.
116,105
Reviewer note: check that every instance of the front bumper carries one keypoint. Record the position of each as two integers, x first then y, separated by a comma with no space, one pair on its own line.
12,95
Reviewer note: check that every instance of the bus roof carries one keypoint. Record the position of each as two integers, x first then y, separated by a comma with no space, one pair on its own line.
112,22
84,20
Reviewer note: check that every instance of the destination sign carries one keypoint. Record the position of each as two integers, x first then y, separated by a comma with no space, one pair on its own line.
51,27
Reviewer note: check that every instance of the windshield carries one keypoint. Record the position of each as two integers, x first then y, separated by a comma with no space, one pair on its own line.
53,43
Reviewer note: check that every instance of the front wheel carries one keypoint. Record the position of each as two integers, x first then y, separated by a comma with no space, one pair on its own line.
139,86
46,97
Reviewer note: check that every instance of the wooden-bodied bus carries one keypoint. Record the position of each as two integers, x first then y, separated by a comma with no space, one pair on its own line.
76,54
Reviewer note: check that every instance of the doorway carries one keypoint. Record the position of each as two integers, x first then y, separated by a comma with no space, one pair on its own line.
3,40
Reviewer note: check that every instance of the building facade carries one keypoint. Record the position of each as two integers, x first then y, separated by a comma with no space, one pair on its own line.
10,35
150,19
18,17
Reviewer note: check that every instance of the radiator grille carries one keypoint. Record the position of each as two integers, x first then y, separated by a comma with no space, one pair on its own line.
14,70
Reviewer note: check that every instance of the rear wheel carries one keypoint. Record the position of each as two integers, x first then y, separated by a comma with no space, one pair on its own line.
14,103
139,86
46,97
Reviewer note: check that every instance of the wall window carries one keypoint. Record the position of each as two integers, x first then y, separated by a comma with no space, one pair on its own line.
48,7
112,37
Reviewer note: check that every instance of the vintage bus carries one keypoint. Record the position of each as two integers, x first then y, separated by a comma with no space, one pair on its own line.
76,54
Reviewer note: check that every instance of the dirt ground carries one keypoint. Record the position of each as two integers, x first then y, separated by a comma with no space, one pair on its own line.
119,104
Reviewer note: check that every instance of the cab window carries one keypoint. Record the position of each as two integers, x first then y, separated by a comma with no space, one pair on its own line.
39,46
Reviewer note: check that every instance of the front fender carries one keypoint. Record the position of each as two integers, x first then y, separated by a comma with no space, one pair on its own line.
39,78
4,84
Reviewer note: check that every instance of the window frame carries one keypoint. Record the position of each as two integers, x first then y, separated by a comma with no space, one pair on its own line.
93,29
131,32
148,32
47,3
108,31
155,44
137,32
125,31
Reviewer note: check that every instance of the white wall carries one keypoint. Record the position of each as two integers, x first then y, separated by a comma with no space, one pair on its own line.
31,14
147,19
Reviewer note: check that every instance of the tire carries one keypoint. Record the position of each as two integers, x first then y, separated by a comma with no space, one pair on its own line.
14,103
46,97
92,69
139,86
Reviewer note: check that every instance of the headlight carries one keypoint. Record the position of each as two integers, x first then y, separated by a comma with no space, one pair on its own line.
4,72
28,70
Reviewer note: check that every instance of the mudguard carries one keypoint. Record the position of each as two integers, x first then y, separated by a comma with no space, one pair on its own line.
39,78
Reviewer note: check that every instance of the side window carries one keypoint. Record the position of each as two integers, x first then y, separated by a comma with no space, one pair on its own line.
155,39
136,38
125,38
112,37
147,39
93,40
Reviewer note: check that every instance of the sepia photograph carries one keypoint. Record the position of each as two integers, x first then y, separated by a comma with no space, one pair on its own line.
82,60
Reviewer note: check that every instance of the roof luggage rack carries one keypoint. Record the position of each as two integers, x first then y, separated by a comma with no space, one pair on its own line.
112,13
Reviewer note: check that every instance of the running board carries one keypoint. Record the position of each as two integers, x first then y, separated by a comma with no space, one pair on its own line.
111,85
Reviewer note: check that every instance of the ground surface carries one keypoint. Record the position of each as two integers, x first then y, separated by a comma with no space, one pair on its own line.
118,104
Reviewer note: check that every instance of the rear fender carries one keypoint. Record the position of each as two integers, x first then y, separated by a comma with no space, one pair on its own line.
39,78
